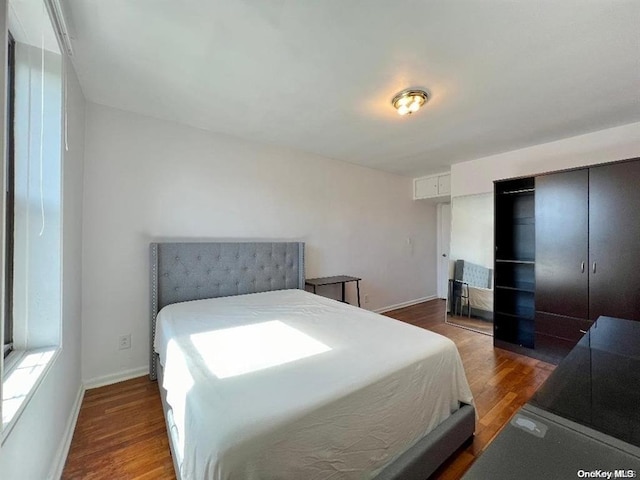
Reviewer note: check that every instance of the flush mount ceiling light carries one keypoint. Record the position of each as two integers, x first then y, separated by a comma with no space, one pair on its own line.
409,101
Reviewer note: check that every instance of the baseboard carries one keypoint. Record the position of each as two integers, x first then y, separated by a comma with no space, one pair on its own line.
405,304
63,451
116,377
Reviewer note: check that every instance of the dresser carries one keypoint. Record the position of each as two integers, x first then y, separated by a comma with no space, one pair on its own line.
585,417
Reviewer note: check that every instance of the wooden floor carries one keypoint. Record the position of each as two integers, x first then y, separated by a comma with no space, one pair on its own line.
473,323
121,435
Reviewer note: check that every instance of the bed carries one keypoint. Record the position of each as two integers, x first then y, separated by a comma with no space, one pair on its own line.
260,379
471,290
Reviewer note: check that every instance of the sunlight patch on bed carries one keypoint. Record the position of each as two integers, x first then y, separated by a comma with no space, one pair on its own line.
177,381
249,348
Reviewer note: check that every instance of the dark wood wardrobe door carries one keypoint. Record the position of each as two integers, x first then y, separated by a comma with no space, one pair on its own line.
562,228
614,240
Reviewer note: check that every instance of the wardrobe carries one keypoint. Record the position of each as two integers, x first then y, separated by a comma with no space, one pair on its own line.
581,247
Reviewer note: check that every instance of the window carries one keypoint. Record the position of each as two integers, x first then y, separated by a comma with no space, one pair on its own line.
32,316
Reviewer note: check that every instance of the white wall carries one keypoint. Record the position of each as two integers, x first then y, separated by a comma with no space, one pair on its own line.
35,445
147,179
477,176
472,229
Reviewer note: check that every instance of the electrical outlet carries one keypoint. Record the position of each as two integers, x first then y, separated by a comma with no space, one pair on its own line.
366,298
124,342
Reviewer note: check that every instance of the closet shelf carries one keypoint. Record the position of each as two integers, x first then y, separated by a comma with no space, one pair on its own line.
527,288
523,262
526,316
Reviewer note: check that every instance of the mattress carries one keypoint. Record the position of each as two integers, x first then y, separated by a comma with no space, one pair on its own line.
481,298
291,385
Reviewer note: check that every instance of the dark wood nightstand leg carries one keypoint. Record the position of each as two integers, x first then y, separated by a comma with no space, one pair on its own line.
343,301
314,289
358,288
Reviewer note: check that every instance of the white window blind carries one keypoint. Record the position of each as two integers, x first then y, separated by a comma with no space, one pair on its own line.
37,242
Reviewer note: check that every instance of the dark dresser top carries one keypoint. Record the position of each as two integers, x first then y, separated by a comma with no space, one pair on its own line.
598,384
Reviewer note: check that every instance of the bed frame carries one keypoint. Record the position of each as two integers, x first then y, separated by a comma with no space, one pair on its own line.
183,271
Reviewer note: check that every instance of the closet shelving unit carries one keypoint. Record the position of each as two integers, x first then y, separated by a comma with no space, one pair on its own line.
514,289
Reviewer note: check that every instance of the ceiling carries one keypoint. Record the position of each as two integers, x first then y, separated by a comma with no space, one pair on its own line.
28,22
319,76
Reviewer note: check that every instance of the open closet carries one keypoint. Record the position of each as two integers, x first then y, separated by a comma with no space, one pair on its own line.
567,250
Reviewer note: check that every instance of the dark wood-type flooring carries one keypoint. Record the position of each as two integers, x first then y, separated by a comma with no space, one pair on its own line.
121,435
476,324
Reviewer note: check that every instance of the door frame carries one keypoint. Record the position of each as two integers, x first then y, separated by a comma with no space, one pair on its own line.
441,273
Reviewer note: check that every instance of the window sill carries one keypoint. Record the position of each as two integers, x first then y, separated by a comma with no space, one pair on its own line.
24,371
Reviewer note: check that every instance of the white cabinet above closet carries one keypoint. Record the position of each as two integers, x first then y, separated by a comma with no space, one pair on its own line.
432,186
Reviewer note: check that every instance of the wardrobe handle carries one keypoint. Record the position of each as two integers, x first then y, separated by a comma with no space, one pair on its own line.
582,267
583,331
594,267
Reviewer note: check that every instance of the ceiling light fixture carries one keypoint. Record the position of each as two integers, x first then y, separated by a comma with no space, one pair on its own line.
409,101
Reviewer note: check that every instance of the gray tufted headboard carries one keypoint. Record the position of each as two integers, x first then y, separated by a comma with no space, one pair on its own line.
472,274
186,271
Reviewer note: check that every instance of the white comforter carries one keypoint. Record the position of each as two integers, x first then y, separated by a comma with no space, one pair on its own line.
291,385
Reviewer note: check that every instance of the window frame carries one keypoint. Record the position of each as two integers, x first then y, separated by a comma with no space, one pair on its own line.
27,364
9,200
